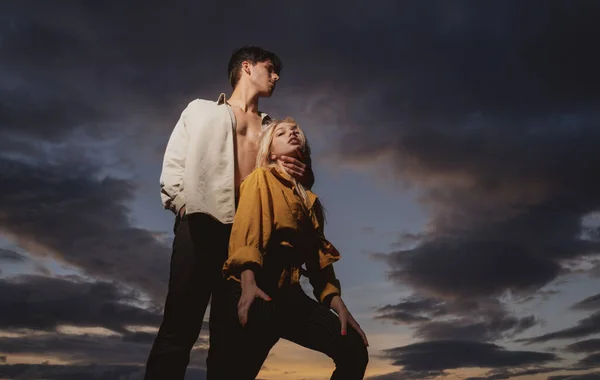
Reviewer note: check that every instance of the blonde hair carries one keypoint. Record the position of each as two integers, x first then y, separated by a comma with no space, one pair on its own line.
263,157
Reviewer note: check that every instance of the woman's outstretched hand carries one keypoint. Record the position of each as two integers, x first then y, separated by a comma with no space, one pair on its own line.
249,292
345,317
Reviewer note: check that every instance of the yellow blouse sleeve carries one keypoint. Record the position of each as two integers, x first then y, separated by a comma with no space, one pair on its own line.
252,225
325,284
321,274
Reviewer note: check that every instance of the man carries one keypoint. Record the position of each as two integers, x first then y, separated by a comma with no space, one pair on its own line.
211,150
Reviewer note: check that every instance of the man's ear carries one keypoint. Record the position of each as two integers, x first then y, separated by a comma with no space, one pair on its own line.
246,67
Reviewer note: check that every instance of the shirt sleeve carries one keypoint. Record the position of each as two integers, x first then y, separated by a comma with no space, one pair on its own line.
252,225
325,284
171,177
321,274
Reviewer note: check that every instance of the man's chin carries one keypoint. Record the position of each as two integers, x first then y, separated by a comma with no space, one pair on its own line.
268,93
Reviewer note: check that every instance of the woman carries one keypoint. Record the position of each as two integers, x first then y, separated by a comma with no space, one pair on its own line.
278,228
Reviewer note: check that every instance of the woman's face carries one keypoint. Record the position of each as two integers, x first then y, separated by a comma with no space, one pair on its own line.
286,141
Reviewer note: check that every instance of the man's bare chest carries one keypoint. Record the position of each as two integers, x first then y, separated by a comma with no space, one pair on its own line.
247,127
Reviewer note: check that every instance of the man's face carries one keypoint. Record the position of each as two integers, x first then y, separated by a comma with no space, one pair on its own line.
264,78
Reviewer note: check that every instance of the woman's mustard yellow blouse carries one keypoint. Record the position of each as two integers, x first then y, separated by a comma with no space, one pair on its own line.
271,220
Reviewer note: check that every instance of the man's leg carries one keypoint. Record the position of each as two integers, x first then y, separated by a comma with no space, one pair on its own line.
311,325
187,299
218,358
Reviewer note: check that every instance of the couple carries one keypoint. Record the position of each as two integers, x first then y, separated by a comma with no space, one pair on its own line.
246,223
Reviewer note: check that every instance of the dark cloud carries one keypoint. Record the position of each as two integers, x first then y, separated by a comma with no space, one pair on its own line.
464,267
412,310
502,373
107,70
399,317
589,345
452,354
490,329
88,349
44,303
33,304
77,349
543,295
106,80
477,320
427,306
590,303
595,272
407,238
96,67
139,337
83,372
503,152
94,58
586,376
591,361
68,372
587,326
50,119
73,212
408,375
11,256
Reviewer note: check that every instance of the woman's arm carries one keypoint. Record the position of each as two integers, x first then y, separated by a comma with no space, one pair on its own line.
319,266
250,234
325,284
323,279
252,226
346,318
249,292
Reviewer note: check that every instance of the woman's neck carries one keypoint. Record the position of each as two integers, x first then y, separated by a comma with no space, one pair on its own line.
281,168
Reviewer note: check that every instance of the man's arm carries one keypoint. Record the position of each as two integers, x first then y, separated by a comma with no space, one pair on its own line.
301,169
171,177
309,179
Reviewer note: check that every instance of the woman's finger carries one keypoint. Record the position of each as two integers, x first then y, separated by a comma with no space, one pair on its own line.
263,295
362,334
344,322
292,161
241,316
243,308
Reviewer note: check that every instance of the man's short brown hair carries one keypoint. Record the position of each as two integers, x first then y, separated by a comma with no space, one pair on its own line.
254,55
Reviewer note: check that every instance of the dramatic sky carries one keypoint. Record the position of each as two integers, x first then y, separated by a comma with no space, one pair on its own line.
456,149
